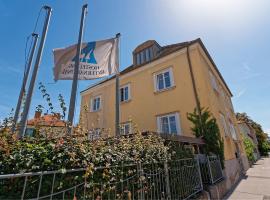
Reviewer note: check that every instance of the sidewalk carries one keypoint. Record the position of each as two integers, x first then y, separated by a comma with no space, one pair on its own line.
256,183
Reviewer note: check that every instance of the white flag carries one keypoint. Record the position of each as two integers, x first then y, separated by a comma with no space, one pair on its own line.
97,59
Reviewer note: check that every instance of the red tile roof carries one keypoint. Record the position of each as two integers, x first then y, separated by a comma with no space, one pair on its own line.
47,120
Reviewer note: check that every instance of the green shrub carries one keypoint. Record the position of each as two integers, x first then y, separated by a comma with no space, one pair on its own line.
249,149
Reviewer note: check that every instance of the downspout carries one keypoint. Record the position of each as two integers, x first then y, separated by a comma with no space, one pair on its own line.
194,85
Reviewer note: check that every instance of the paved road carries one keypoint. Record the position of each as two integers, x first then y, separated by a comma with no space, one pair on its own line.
256,183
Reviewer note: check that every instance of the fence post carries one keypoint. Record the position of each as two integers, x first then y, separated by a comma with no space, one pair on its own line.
167,180
210,170
140,175
199,171
219,163
24,187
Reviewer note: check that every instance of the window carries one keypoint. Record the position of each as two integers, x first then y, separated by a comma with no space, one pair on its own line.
30,132
138,58
164,80
224,124
169,124
147,55
125,128
95,104
94,134
213,81
232,130
144,56
125,93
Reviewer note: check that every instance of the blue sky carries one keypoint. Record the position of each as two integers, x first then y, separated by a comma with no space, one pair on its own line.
236,33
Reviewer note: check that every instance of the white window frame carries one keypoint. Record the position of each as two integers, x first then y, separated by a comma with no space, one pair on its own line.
224,124
122,128
232,130
94,134
92,104
177,120
163,72
213,80
129,93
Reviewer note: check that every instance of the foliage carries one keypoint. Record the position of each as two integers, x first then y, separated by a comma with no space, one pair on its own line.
249,149
263,144
46,96
75,151
7,122
62,106
205,127
44,153
179,151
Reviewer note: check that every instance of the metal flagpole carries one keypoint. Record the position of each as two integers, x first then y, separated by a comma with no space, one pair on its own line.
76,70
35,70
25,77
117,100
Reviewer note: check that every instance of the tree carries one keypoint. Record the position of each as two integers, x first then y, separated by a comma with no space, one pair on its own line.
206,127
263,144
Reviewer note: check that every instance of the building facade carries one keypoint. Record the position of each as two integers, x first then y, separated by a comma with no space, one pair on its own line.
48,124
163,84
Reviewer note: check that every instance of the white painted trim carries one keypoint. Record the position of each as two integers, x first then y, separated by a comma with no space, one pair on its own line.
177,120
168,69
130,127
129,92
100,103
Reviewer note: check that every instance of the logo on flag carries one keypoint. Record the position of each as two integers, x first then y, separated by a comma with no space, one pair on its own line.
97,59
88,53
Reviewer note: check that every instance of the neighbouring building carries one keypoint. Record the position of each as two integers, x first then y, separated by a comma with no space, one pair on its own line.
52,122
163,84
249,132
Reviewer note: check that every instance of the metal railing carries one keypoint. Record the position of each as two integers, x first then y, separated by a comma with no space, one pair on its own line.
211,170
180,179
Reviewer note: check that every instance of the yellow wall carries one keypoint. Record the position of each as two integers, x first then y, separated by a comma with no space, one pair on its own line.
146,104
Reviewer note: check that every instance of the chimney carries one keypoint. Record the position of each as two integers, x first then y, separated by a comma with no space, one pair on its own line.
37,114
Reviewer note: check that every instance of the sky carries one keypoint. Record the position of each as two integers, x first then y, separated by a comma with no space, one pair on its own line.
235,32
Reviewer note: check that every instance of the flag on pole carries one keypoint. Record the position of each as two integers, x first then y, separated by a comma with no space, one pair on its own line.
97,59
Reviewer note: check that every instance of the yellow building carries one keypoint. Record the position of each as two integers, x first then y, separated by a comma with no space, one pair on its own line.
163,84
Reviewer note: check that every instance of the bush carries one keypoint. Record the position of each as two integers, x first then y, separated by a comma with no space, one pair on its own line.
42,153
249,149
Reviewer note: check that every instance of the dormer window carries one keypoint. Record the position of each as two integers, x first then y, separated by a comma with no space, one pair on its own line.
146,52
144,56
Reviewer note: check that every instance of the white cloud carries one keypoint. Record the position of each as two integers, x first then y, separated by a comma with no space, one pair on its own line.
267,131
241,93
4,66
248,72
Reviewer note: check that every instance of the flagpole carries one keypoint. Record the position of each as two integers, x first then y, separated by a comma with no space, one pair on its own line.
76,70
25,77
117,100
35,70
